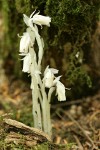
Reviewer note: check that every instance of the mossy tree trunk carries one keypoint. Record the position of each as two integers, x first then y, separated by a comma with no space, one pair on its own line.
67,41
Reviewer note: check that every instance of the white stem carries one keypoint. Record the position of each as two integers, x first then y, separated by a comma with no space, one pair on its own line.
35,91
49,125
48,111
52,89
40,101
36,106
34,109
39,116
40,45
44,112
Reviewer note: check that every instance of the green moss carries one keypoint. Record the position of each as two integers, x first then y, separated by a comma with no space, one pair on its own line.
23,6
5,11
73,21
72,18
43,146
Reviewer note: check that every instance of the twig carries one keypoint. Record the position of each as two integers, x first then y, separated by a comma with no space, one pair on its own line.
93,115
79,126
68,103
78,142
91,119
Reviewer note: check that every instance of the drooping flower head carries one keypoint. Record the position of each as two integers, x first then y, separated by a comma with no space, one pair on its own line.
49,76
27,63
25,42
41,20
37,19
60,91
50,80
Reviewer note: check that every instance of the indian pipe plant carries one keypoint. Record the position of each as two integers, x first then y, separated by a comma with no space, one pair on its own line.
32,65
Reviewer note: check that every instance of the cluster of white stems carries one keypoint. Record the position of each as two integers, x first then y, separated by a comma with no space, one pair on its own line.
32,65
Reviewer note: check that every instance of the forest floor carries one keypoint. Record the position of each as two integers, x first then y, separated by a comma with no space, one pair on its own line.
76,123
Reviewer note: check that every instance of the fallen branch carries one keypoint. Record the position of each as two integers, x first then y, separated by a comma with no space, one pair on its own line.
20,133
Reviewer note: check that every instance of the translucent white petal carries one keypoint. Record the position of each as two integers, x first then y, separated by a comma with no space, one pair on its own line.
41,20
24,43
32,13
60,91
48,79
54,71
27,63
56,80
37,19
46,70
27,21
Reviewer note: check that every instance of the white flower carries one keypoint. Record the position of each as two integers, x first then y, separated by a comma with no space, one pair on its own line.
49,76
60,91
50,80
37,19
25,42
41,20
54,71
27,63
